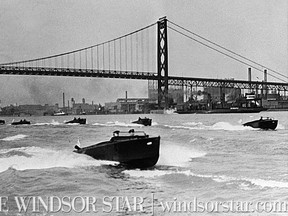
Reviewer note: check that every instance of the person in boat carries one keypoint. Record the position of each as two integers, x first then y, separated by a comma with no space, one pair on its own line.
116,133
131,132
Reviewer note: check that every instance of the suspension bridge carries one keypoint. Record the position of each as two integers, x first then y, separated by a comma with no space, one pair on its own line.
141,55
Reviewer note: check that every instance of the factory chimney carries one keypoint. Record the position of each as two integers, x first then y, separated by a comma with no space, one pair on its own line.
126,101
63,99
265,75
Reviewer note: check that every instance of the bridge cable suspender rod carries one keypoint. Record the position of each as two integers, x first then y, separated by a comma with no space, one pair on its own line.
223,49
82,49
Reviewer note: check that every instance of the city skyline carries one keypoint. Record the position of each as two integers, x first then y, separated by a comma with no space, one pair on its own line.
68,101
32,29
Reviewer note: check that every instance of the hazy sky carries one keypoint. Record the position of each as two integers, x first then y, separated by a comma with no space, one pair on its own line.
36,28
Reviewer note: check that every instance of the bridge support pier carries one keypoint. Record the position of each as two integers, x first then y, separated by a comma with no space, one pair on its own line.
162,63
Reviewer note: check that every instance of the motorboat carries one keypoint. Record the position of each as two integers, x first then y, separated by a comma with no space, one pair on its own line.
60,113
77,121
133,149
21,122
263,123
144,121
2,121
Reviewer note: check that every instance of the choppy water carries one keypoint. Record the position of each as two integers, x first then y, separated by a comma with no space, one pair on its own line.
208,158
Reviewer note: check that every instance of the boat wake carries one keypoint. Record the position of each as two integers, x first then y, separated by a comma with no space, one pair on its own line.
55,123
217,126
13,138
227,126
24,158
241,183
48,123
117,123
181,159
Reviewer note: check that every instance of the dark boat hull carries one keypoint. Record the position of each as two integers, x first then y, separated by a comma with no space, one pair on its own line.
2,122
76,121
263,124
21,123
145,121
134,152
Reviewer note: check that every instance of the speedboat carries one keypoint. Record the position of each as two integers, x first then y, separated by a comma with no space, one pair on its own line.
144,121
60,113
77,121
2,121
263,123
21,122
133,149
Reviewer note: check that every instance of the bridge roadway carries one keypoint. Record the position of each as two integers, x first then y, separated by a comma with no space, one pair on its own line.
172,80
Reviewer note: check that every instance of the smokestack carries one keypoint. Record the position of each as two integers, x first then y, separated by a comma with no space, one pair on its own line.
249,78
63,99
249,74
265,75
126,100
68,104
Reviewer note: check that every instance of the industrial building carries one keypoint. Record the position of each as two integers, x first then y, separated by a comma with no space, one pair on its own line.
131,105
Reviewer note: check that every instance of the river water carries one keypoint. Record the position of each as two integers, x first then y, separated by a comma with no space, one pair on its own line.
209,165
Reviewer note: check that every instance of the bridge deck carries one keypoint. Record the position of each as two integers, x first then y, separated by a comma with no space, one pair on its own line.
172,80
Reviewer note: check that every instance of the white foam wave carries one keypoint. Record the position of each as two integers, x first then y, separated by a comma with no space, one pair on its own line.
280,126
46,158
228,126
217,126
243,183
148,173
101,124
154,123
123,124
48,123
173,127
157,173
182,158
16,137
257,182
117,123
269,183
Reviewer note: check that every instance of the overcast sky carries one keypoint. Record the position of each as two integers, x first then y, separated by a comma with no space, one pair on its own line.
36,28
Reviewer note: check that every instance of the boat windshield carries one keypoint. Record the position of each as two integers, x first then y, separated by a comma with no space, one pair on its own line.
131,132
266,118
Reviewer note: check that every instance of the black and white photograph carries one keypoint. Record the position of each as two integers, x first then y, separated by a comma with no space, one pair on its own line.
143,107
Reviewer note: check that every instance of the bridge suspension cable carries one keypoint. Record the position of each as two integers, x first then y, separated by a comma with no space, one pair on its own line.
129,52
225,49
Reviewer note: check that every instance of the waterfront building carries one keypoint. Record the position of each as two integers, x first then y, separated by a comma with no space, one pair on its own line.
131,105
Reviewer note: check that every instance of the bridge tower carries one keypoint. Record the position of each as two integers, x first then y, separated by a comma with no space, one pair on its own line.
162,63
